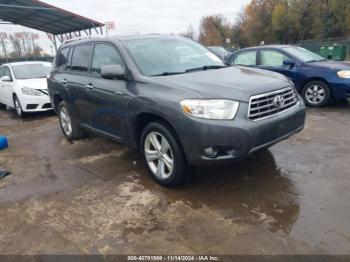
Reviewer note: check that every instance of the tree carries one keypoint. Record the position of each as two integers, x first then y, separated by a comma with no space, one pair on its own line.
16,46
3,43
24,45
280,22
214,30
189,33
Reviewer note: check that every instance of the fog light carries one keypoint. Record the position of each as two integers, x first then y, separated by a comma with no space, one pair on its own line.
210,152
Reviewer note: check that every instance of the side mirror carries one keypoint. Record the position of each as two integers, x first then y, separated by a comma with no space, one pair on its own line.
289,62
6,79
113,72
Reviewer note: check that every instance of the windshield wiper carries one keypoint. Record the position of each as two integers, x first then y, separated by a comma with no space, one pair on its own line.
206,67
169,73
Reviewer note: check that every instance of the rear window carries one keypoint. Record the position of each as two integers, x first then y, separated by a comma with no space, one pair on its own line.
81,58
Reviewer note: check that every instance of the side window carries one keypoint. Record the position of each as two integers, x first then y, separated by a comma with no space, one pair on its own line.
272,58
104,54
62,58
69,59
1,71
246,59
81,58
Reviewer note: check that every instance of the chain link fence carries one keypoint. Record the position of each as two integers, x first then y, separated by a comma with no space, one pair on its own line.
315,45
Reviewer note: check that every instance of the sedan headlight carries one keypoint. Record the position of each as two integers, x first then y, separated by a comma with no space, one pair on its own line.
217,109
31,91
344,74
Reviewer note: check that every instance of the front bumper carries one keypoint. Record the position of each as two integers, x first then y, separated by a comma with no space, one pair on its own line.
237,138
35,103
340,87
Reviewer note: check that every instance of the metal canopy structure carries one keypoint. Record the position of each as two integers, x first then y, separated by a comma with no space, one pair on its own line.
47,18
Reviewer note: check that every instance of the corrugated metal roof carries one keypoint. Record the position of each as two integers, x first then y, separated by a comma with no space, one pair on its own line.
44,17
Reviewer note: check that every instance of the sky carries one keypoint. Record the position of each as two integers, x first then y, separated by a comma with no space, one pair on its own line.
143,16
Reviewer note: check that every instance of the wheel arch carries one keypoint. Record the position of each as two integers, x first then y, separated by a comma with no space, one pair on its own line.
318,79
57,99
13,98
145,118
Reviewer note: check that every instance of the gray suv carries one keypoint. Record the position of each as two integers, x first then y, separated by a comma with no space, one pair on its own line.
171,98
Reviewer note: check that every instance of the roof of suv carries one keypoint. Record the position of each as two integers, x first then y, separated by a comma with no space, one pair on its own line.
118,38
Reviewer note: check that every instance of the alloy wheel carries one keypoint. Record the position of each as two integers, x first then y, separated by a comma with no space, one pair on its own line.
159,155
66,121
315,94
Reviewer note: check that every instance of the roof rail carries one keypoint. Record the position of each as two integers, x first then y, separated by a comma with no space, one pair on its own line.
78,38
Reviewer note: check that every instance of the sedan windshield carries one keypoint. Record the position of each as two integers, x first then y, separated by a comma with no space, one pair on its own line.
304,54
31,71
166,56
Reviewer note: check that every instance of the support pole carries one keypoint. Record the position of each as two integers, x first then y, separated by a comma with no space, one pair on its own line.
55,43
4,48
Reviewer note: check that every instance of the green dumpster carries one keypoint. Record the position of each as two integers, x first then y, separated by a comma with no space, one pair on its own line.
334,52
339,52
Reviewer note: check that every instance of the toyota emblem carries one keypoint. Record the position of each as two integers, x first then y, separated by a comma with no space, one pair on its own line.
278,101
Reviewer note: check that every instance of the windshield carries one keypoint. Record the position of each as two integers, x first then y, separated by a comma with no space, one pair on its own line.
304,54
165,56
30,71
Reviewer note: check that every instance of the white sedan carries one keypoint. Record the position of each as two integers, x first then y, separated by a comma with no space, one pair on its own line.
23,86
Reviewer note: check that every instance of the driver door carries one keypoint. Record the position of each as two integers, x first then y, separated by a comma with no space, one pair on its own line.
273,60
108,98
6,86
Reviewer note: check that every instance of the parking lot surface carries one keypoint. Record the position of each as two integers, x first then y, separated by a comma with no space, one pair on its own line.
95,197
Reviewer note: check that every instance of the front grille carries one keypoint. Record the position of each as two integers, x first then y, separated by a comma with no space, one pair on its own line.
273,103
31,106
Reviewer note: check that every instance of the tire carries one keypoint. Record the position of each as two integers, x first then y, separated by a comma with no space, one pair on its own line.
69,122
18,107
316,94
158,162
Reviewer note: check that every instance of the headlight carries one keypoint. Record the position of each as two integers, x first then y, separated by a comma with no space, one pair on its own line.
344,74
31,91
210,109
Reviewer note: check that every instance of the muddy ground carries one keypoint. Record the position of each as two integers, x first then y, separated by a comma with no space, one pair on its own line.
95,197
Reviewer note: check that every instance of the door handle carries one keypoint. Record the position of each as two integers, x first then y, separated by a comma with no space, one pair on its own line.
64,81
89,86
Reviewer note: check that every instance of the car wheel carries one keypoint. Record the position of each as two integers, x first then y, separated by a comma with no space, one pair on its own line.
68,122
18,107
163,155
316,94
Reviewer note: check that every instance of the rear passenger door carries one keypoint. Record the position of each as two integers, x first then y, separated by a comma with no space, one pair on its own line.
107,98
246,58
78,80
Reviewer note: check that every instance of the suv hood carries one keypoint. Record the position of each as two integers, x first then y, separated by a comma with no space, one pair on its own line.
329,64
236,83
36,83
